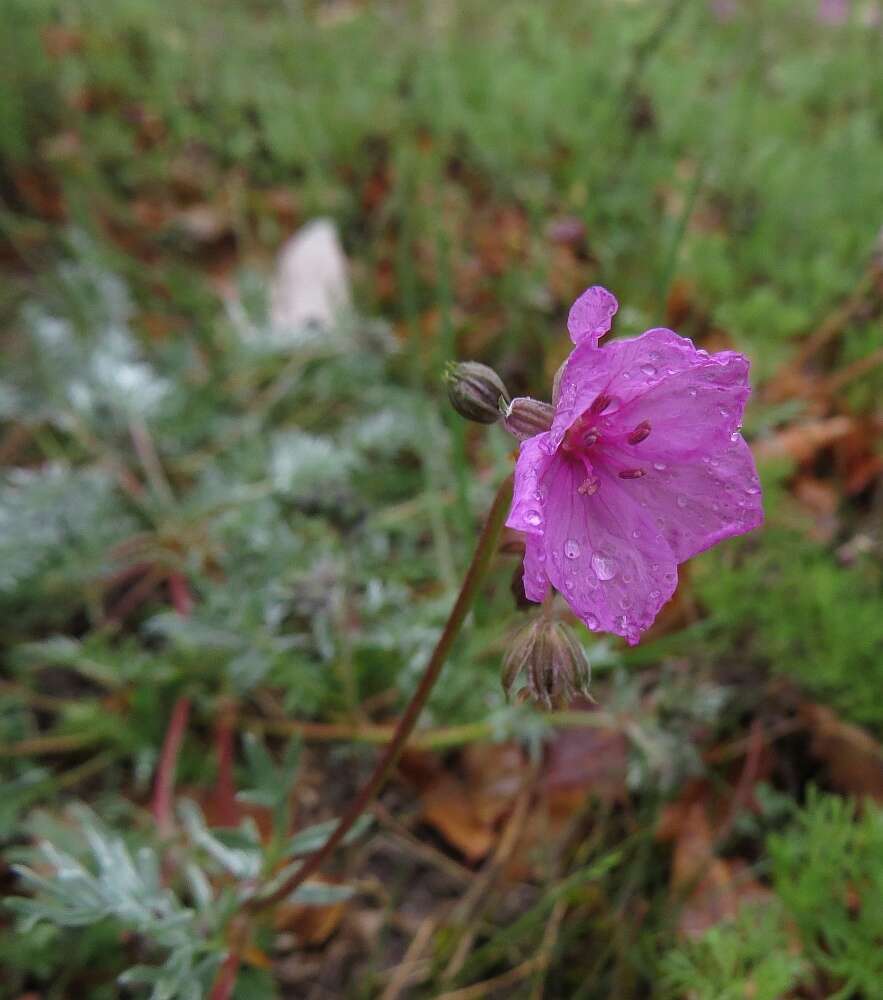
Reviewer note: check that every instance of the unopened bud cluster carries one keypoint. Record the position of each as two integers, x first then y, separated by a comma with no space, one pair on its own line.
476,392
549,662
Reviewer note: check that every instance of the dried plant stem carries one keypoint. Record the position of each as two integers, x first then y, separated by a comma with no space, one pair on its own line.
481,560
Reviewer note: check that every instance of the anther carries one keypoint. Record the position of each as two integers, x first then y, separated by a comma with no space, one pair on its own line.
588,487
601,403
640,432
632,473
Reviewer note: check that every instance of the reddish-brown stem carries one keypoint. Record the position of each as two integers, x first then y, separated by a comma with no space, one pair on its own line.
179,594
136,595
222,988
164,788
226,810
481,560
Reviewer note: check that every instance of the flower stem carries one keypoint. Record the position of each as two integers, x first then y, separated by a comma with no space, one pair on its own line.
481,561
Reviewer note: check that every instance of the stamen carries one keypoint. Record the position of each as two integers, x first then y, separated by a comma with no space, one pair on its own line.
632,473
640,432
601,403
588,487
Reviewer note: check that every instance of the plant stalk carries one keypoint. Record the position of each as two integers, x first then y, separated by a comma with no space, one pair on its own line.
481,561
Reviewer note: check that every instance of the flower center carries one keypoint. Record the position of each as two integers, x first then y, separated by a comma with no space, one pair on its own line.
584,434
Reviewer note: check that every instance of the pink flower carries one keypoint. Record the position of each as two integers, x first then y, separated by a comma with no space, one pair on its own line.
643,467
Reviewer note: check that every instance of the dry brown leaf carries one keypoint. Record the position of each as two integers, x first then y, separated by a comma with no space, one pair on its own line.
494,774
312,925
449,809
59,41
713,888
854,759
820,500
801,442
589,761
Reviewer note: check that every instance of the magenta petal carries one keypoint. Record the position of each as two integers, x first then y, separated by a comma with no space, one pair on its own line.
695,504
527,513
536,581
690,413
590,317
604,553
658,376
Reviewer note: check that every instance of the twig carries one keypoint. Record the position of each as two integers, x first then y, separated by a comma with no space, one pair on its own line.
839,319
747,779
441,738
547,948
411,961
478,991
468,906
481,560
850,373
149,459
53,743
401,835
165,773
136,595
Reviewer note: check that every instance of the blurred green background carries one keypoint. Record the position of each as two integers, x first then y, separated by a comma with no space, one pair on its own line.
270,523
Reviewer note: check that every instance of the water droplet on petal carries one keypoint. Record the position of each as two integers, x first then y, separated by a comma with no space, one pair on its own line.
752,490
604,566
655,595
648,370
734,437
682,501
636,534
592,622
659,466
692,392
534,518
571,548
625,603
621,623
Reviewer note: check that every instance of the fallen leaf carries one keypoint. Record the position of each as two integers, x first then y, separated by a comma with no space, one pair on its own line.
589,760
449,809
312,925
802,441
713,888
854,759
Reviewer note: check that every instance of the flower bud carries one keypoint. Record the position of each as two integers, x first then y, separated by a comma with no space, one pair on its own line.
525,417
550,662
475,391
556,383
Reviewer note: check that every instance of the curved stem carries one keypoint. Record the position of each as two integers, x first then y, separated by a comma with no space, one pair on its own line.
481,560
